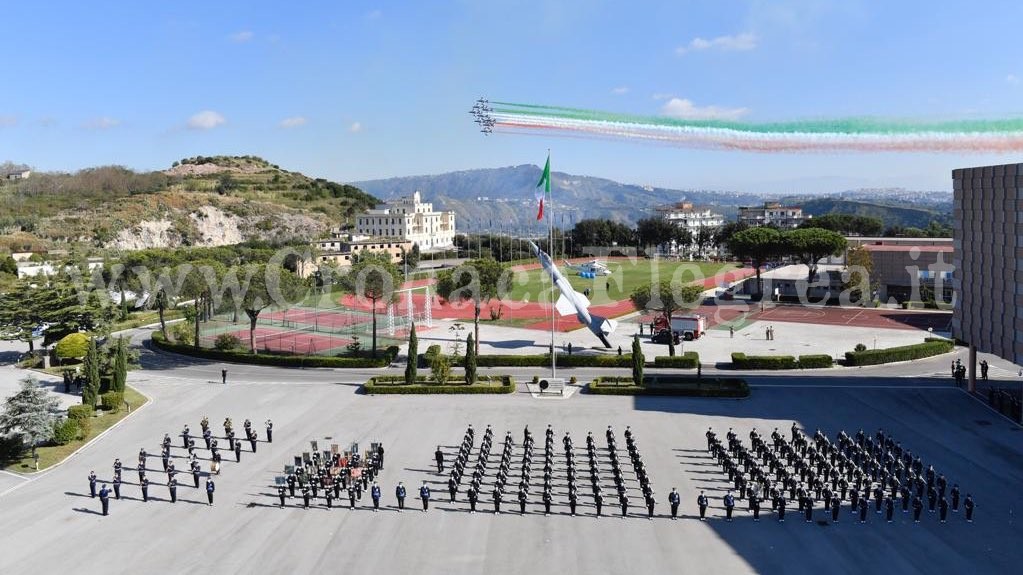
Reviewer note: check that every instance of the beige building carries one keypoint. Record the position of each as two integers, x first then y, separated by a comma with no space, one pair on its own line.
340,250
772,213
409,219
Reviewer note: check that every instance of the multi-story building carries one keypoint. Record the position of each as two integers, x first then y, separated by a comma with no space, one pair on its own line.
685,216
988,258
772,213
340,249
409,219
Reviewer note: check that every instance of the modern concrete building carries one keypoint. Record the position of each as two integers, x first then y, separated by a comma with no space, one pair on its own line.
409,219
912,272
772,213
987,233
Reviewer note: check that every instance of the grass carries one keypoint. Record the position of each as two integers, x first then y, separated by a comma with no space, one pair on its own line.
626,276
141,318
53,454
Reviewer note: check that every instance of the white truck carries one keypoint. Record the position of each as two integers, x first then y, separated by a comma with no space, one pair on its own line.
689,326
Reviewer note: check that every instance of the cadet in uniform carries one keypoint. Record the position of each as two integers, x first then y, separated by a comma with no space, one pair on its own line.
92,484
943,509
269,431
439,457
452,487
701,501
497,499
650,501
374,492
863,510
889,508
523,497
729,505
281,493
237,451
674,499
836,507
472,499
918,506
117,486
424,494
104,499
172,486
399,492
144,484
968,505
351,497
209,490
547,501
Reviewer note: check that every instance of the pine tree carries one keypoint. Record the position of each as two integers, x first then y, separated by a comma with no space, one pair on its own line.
120,374
470,360
413,356
90,391
30,412
637,362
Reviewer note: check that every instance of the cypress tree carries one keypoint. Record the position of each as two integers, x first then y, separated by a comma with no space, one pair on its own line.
120,366
637,362
470,360
90,391
413,356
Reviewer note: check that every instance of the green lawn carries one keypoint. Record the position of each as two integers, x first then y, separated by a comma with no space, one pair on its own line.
624,279
54,454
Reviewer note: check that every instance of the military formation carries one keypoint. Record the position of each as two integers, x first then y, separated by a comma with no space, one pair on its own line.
563,482
200,479
813,470
329,477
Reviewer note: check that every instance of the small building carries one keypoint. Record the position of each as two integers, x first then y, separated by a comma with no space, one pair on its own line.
772,213
912,272
341,250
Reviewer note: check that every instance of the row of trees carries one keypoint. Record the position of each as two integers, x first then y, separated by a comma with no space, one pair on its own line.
806,245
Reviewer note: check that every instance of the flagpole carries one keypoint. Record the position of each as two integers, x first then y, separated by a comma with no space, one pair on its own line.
550,247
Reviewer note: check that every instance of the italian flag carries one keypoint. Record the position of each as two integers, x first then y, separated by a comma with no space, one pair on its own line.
543,188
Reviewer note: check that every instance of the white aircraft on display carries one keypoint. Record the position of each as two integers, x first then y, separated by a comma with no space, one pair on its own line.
593,267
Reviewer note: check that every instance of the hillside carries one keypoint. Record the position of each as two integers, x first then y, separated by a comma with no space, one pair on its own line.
202,201
890,215
506,195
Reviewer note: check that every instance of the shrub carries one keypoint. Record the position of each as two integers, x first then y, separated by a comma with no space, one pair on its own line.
65,431
573,380
440,368
80,412
815,361
671,385
111,401
84,428
743,361
860,347
72,346
182,333
396,385
688,360
930,347
227,342
536,379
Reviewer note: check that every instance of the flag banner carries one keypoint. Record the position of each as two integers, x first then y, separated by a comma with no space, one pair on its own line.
543,187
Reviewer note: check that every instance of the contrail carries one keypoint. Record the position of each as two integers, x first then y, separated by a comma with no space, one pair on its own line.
848,134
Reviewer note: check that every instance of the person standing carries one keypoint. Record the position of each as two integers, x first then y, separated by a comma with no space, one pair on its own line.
955,498
223,376
729,506
117,486
864,506
424,494
281,494
351,497
943,509
92,484
754,503
209,490
374,492
104,499
238,451
889,508
144,484
547,498
438,456
172,487
781,509
968,505
836,508
380,456
701,501
918,506
195,475
400,493
523,497
452,487
650,502
674,499
269,431
472,495
305,496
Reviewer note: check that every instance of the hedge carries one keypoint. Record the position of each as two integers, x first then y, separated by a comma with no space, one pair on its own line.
671,386
65,431
742,361
930,347
276,359
815,361
80,412
544,360
926,305
111,401
688,360
389,384
72,346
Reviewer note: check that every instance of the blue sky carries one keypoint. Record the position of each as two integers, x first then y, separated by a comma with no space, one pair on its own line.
353,90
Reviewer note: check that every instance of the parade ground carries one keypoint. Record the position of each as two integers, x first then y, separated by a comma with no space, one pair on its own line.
52,525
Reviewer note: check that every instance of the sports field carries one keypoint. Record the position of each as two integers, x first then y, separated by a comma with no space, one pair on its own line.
626,275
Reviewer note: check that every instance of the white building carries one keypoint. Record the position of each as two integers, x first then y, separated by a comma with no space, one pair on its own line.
772,213
685,216
409,219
